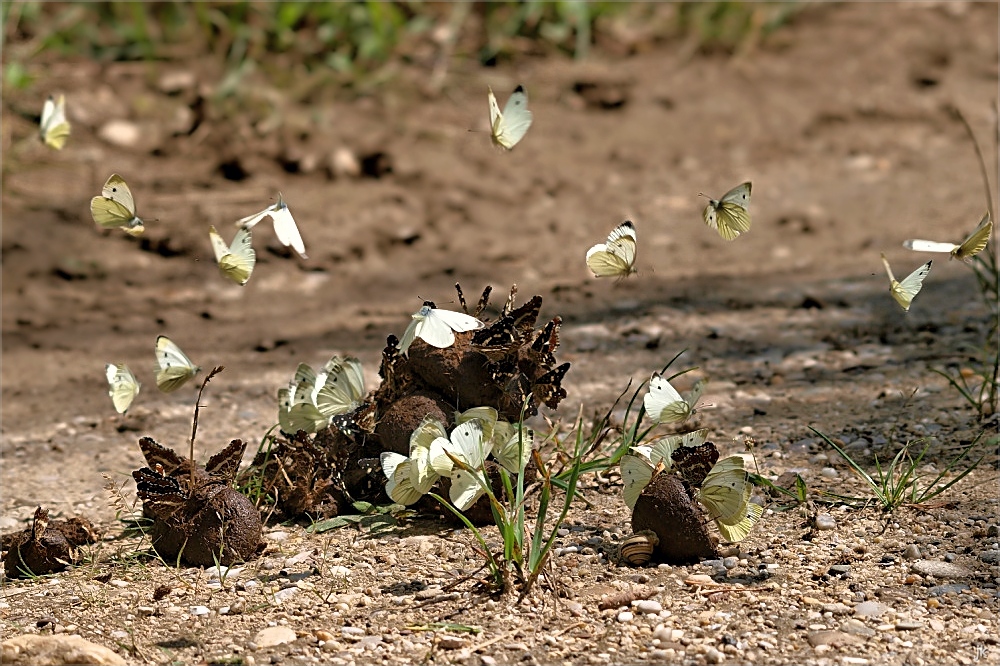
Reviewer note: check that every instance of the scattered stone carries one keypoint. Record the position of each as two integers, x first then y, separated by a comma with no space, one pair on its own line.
451,642
731,562
856,627
951,588
199,610
825,521
272,636
870,609
56,650
909,625
832,638
120,133
625,616
912,552
839,570
713,656
648,607
940,569
990,557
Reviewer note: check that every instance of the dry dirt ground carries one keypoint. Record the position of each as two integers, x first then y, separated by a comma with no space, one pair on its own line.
843,123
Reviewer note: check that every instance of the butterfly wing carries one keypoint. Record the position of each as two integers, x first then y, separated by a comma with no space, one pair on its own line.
115,188
399,486
250,221
663,403
342,388
740,531
662,449
509,127
976,242
636,475
616,258
285,228
54,126
918,245
726,491
173,367
238,264
123,386
514,452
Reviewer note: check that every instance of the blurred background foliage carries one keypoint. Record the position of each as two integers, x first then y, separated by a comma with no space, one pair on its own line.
360,43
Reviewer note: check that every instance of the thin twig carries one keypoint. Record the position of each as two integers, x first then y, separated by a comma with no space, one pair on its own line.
197,405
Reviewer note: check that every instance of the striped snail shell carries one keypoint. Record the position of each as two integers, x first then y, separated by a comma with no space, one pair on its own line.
637,549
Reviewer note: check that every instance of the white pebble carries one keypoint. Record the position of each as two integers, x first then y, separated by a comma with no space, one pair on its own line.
625,616
648,607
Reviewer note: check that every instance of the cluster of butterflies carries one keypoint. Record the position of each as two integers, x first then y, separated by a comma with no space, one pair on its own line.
723,487
173,369
478,433
905,291
315,400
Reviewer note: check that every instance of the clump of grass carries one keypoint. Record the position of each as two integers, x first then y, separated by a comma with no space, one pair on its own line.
900,483
525,549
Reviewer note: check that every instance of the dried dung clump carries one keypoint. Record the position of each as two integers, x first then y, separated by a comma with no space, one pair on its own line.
47,546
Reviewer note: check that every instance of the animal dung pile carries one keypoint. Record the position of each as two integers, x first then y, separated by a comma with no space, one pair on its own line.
47,546
198,517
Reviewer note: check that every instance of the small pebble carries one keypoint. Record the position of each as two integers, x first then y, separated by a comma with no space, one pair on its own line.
625,616
272,636
731,562
940,569
198,610
870,609
713,656
648,607
912,552
825,521
909,625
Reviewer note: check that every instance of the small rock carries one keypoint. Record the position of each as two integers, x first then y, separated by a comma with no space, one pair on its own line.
177,81
940,569
625,616
661,633
839,570
199,610
56,651
825,521
992,531
912,552
870,609
272,636
352,631
990,556
648,607
344,163
284,595
121,133
951,588
713,656
909,625
856,627
731,562
451,642
832,638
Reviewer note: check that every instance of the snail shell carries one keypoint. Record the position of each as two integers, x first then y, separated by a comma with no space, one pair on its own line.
637,549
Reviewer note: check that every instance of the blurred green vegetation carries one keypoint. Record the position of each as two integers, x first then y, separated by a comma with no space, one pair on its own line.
358,39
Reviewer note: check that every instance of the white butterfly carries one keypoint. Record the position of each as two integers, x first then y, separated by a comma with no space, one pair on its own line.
116,207
54,127
173,367
730,215
124,386
512,446
509,127
436,327
970,247
665,405
299,416
236,261
636,475
284,225
616,258
467,444
905,291
339,386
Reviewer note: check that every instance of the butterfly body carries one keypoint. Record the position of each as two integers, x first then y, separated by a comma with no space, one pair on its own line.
730,215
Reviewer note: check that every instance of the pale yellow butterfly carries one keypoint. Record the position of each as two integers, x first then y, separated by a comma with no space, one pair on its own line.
905,291
970,247
616,257
173,367
124,386
116,207
235,261
54,127
730,215
509,127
